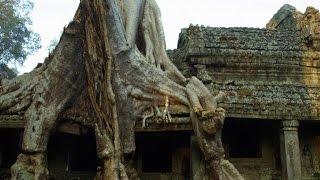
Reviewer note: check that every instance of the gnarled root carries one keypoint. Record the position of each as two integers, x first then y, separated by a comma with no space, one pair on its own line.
94,55
207,120
31,167
111,168
41,96
229,171
109,171
131,170
16,95
208,129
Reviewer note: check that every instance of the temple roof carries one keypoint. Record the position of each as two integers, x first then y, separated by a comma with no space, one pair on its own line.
242,38
268,74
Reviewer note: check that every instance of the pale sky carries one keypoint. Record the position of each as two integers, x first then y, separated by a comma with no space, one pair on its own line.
50,16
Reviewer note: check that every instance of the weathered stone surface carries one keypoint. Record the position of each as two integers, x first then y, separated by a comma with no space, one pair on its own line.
267,73
290,152
307,23
284,18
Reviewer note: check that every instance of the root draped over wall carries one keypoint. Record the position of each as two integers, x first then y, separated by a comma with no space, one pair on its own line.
114,52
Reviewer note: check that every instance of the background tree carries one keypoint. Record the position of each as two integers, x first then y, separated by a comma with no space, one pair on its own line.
17,40
6,72
53,43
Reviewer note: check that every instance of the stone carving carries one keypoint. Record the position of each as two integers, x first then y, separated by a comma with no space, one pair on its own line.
112,57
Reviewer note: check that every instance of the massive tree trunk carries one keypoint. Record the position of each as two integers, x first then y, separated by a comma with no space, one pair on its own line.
113,52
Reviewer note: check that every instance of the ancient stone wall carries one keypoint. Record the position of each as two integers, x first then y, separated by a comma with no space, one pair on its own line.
267,74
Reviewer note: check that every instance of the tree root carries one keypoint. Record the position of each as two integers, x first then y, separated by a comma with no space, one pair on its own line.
30,166
124,82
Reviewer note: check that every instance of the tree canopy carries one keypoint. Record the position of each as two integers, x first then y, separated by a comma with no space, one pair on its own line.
17,40
6,72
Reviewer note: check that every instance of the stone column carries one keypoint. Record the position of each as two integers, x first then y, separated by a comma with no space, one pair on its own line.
290,151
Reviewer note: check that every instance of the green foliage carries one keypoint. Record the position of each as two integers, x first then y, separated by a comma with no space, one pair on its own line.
52,45
6,72
17,40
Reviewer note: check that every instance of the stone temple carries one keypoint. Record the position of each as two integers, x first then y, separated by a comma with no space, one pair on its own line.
272,129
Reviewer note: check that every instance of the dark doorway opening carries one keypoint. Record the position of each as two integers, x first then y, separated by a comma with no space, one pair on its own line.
10,146
9,149
165,154
72,156
242,138
157,155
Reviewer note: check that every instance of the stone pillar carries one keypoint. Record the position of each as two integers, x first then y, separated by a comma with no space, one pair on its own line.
290,151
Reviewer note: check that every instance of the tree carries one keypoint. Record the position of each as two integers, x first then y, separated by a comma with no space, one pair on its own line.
17,40
111,58
6,72
53,43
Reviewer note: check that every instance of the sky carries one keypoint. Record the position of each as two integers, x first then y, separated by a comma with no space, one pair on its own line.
50,16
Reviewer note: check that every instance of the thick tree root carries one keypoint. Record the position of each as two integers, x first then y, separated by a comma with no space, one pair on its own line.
118,58
229,171
207,120
30,167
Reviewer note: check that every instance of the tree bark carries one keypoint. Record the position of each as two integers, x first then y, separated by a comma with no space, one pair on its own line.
114,52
